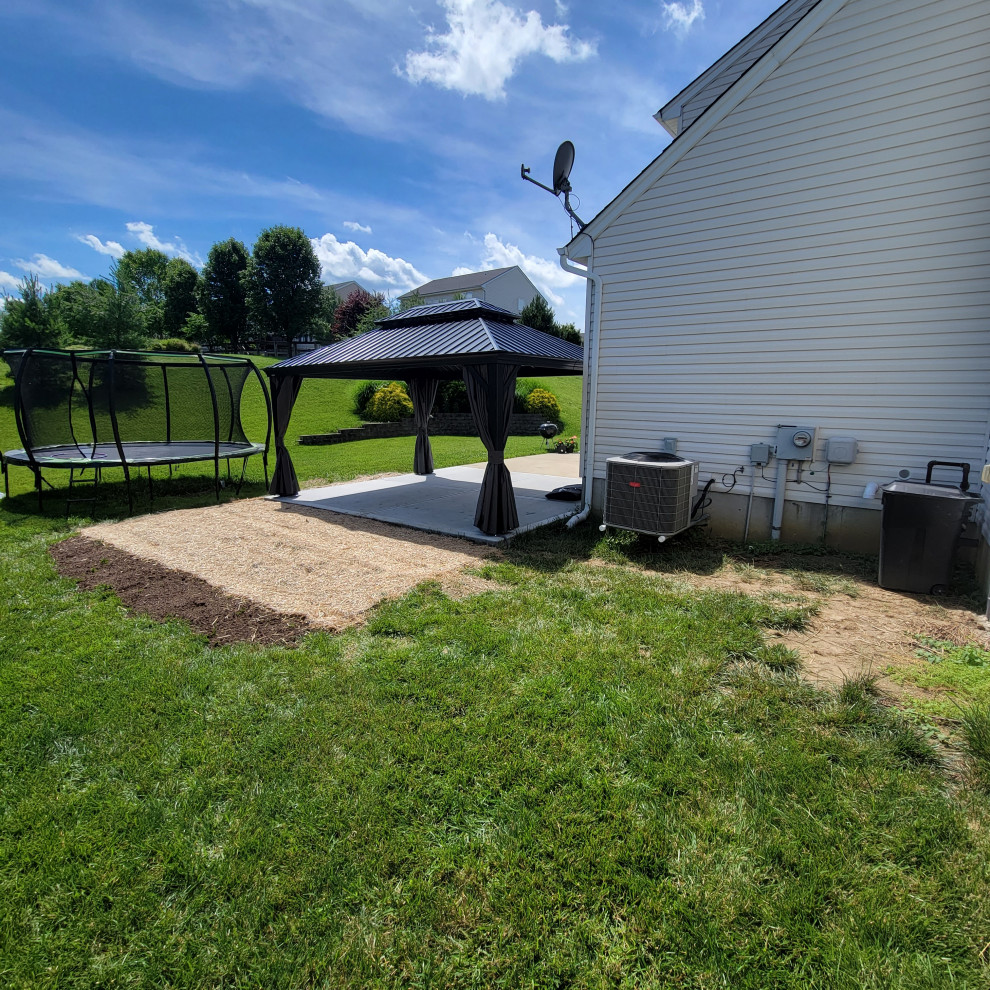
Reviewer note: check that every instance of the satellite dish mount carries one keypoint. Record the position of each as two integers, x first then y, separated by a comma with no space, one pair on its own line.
563,162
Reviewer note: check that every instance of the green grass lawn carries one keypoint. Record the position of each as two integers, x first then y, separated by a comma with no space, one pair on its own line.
590,775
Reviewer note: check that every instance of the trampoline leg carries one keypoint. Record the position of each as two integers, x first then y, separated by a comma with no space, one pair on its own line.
151,490
6,479
216,479
37,484
264,460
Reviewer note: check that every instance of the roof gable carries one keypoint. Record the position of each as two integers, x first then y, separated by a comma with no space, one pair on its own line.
692,101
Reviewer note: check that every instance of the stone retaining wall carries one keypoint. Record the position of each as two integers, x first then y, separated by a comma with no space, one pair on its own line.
441,425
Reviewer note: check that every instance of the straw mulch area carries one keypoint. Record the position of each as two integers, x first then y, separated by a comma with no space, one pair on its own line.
316,568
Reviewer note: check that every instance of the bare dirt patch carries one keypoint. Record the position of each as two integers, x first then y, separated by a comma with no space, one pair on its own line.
861,629
162,593
325,568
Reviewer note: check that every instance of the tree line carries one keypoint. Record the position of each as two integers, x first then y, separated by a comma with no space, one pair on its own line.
238,302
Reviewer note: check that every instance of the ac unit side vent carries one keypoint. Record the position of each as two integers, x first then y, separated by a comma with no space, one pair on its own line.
650,493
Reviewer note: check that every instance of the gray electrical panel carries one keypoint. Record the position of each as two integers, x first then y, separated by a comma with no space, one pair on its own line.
759,453
795,443
841,450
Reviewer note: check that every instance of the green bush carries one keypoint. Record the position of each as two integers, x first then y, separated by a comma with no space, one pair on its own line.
452,397
524,387
174,344
544,404
390,404
364,394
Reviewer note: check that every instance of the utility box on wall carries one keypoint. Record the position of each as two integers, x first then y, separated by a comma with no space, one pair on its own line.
796,443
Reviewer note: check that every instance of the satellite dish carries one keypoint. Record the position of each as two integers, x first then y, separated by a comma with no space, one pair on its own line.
563,162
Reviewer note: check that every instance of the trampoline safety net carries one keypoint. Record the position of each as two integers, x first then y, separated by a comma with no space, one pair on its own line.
73,397
130,407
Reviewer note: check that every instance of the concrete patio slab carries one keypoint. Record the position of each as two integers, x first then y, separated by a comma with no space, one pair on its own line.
444,502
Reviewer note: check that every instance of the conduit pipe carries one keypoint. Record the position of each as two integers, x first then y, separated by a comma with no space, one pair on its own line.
778,498
590,406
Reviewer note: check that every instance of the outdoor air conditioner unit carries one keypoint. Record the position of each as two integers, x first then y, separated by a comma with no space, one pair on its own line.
650,493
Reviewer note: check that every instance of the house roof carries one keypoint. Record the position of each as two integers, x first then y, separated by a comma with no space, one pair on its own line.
437,340
458,283
692,101
817,14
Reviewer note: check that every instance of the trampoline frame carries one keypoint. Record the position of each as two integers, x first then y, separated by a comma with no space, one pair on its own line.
34,457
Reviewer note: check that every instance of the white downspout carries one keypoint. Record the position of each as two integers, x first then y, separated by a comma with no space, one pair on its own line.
592,328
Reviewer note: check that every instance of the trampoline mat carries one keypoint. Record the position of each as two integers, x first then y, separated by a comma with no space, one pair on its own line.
153,452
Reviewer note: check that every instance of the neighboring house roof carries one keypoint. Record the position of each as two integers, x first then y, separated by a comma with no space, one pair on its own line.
458,283
692,101
817,14
437,340
347,289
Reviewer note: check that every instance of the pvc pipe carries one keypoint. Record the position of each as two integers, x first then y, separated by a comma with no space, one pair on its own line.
749,504
778,499
592,331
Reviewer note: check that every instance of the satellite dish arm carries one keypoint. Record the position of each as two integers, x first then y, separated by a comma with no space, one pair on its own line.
570,211
524,173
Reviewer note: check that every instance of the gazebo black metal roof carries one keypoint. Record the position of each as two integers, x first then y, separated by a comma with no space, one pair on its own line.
437,341
425,345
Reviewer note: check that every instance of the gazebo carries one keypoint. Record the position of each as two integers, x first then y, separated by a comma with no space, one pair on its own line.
425,345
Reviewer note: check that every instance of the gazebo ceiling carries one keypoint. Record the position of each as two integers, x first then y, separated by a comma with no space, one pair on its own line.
438,341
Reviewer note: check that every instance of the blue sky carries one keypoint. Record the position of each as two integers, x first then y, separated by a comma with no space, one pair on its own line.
391,132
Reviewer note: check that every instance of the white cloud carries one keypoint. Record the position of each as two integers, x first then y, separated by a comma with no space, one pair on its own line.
357,227
45,267
546,275
145,233
8,282
111,248
679,17
484,43
342,260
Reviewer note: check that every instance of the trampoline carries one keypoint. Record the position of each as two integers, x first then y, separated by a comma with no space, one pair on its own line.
91,410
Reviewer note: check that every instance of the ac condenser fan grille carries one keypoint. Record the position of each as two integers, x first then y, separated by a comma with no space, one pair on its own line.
650,495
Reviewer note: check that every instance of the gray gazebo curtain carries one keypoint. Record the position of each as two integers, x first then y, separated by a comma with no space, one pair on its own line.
285,389
423,392
491,390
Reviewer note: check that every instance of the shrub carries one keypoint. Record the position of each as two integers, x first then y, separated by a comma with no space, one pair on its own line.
390,404
524,386
363,395
544,404
174,344
452,397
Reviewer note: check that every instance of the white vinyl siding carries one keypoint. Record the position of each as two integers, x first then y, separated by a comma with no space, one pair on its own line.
697,99
821,257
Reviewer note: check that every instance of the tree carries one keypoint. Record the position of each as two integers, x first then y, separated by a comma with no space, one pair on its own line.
71,311
414,300
538,315
283,283
117,319
143,273
349,320
567,331
25,321
222,293
323,324
179,287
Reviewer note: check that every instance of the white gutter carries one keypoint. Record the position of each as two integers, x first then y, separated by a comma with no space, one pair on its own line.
591,338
